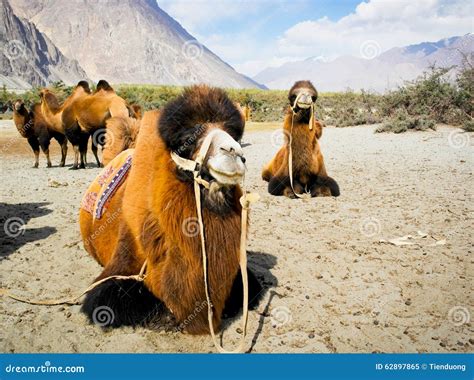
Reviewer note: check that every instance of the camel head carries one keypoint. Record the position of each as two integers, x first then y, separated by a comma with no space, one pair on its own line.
205,119
19,106
301,96
47,97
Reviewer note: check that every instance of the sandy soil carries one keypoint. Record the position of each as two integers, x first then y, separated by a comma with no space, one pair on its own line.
331,285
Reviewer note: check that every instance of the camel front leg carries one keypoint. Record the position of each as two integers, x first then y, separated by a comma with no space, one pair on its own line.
94,150
34,143
37,154
76,157
48,160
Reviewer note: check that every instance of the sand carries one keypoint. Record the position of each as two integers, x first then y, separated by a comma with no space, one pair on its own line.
331,285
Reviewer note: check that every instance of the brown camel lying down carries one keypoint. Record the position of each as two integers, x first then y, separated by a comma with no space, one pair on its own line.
303,131
152,216
33,126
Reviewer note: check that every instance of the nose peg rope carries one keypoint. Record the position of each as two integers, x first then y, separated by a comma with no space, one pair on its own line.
245,201
305,195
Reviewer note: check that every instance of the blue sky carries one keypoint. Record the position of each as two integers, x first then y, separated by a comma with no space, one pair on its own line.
252,35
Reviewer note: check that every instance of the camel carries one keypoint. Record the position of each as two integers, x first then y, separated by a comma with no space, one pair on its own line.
302,131
32,126
120,134
151,216
86,116
52,110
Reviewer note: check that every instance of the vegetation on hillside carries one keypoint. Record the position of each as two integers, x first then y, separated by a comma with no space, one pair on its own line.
419,104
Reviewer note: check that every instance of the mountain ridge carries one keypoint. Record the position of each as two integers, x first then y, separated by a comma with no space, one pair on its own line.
384,72
129,42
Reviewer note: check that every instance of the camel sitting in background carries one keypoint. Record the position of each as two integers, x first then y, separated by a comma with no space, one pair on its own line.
301,150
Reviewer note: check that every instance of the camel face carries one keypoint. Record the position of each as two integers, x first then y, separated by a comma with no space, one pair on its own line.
225,160
302,95
19,105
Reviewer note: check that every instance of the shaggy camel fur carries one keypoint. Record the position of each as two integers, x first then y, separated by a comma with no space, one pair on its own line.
152,216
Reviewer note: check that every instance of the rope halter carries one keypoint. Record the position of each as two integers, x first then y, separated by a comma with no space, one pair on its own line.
195,167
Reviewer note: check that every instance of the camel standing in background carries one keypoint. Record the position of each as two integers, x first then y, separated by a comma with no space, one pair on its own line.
51,111
33,126
86,115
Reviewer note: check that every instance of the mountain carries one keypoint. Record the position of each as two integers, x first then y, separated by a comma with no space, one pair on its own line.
384,72
28,57
128,41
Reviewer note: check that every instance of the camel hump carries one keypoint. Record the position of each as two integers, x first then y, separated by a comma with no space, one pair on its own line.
103,85
85,85
121,134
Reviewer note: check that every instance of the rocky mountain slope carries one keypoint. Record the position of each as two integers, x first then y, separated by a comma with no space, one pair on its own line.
128,41
385,71
28,57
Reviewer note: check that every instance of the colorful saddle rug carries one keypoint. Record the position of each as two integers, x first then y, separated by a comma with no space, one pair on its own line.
101,191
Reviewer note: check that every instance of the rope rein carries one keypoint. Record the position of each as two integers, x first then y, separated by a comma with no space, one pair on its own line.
75,300
305,195
245,201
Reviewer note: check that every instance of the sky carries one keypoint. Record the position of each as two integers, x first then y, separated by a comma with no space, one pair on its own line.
253,35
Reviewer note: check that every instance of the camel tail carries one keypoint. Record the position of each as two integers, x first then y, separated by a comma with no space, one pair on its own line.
117,303
121,134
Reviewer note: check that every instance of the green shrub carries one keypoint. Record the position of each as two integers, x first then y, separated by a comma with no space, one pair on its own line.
401,121
468,125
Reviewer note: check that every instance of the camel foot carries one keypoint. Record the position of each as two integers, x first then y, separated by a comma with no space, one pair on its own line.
122,303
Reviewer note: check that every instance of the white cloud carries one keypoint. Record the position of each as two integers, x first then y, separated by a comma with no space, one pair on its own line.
384,23
374,26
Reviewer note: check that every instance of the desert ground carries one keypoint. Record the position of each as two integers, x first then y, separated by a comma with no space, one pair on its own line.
335,278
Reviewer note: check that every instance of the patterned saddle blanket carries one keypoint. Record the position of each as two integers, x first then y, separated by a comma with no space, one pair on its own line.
100,192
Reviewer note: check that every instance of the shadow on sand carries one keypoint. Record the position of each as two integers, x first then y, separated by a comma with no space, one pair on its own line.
14,232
